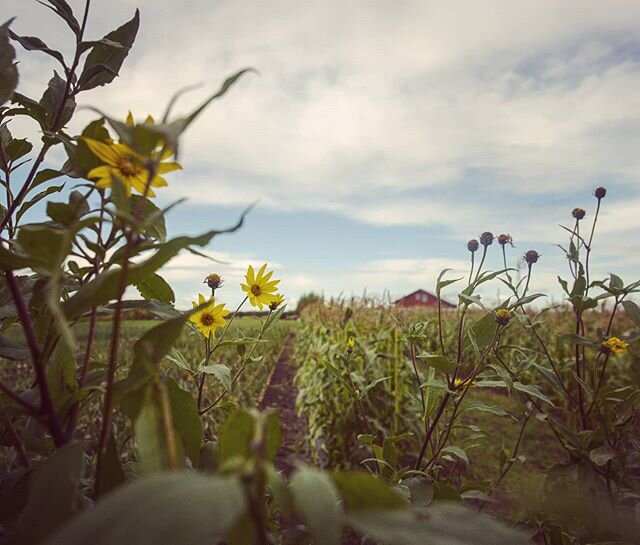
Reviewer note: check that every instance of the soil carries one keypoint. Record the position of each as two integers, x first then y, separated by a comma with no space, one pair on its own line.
280,396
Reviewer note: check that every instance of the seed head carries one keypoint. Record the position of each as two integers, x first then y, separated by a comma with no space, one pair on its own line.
473,245
531,257
503,240
486,238
503,316
600,193
214,281
578,213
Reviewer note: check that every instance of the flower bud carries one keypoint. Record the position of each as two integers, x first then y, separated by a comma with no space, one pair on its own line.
578,213
214,281
505,239
486,238
600,193
503,316
531,257
473,245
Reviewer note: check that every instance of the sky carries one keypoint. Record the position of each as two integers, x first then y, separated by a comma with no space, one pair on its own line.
379,137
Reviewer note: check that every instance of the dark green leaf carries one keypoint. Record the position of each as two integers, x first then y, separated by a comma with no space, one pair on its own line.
33,43
108,58
18,147
112,475
236,436
316,498
633,311
167,509
362,491
186,420
437,362
532,390
220,371
37,198
56,477
13,350
57,103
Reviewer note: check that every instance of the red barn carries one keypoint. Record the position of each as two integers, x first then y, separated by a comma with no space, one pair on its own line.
422,298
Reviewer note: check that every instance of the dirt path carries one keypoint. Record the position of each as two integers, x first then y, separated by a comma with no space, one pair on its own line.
280,396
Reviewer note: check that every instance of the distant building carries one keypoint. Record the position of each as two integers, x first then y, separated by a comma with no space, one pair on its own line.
422,298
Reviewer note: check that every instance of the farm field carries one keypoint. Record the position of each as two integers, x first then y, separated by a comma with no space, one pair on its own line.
184,359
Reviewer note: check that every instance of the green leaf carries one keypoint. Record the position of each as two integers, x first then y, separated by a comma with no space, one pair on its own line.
56,477
486,408
361,491
37,198
457,452
441,284
236,436
272,435
446,523
112,474
105,287
8,70
220,371
184,411
47,246
54,100
13,350
65,12
33,43
532,390
601,455
163,509
104,61
18,147
156,287
483,331
633,311
372,385
436,361
316,498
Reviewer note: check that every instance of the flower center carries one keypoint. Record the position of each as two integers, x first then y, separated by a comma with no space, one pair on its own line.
207,319
128,167
255,289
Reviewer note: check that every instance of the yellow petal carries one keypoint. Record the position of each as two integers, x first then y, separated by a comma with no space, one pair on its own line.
163,168
102,151
250,276
261,271
103,171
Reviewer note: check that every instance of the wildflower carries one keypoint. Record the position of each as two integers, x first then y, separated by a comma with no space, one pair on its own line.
351,343
486,238
128,165
459,383
578,213
260,289
214,281
208,318
503,316
613,345
278,299
473,245
600,193
503,240
531,257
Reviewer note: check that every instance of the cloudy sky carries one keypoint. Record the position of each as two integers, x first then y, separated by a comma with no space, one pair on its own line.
380,136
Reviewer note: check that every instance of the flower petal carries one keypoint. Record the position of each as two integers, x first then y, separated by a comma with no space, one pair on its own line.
104,152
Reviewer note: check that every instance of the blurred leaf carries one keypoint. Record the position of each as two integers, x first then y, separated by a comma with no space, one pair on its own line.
33,43
483,407
37,198
442,363
633,311
153,222
236,436
8,70
56,477
156,287
104,61
532,390
601,455
316,498
361,491
112,475
448,523
186,420
273,435
372,385
163,509
220,371
457,452
47,246
13,350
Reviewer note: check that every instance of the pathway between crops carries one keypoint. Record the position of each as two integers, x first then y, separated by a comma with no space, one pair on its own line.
280,395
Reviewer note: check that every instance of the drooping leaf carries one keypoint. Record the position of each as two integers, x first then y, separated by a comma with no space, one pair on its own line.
33,43
316,498
163,509
220,371
633,311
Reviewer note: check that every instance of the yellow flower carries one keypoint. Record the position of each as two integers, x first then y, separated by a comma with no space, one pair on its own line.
503,316
209,318
459,383
277,300
351,343
613,345
260,289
